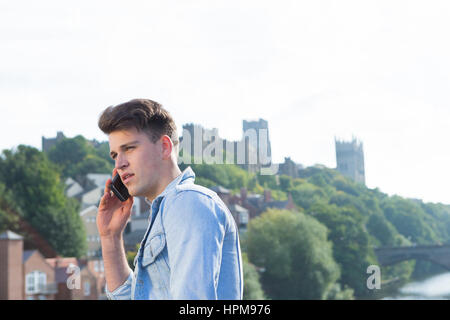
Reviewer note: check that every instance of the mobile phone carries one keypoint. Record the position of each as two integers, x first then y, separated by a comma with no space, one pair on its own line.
119,188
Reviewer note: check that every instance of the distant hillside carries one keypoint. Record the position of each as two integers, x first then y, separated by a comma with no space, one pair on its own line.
357,218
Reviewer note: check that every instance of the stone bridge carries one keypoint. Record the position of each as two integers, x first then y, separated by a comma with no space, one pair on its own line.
439,254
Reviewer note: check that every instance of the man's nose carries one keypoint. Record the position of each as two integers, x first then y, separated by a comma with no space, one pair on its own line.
121,162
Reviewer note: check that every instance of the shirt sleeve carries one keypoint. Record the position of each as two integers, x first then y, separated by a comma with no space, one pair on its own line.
195,230
123,292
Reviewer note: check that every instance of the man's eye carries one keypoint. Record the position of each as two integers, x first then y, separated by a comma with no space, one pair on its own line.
128,148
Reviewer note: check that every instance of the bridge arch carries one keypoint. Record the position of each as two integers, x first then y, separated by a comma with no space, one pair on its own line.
439,254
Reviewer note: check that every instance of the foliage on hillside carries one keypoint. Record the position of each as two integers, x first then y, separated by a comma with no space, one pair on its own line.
36,192
357,218
320,250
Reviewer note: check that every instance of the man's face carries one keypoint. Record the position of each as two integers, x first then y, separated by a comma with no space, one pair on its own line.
137,160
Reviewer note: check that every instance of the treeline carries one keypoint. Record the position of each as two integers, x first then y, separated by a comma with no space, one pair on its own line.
320,250
32,188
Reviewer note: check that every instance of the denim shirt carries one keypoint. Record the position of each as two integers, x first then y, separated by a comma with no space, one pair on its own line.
190,250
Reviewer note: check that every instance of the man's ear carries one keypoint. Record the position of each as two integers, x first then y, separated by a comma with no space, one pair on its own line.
167,147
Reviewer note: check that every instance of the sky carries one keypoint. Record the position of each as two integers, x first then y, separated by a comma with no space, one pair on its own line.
316,70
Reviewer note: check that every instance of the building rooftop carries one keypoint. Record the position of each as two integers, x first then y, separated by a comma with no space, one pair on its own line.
237,208
220,189
62,262
27,254
9,235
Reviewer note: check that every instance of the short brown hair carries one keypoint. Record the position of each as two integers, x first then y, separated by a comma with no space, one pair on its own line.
142,114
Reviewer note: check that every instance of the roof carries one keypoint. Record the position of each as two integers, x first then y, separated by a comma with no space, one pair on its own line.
62,262
74,189
220,189
69,181
88,209
254,199
99,179
61,266
9,235
27,254
93,196
61,275
237,208
276,204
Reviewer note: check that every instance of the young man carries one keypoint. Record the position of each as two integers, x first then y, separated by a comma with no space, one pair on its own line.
191,247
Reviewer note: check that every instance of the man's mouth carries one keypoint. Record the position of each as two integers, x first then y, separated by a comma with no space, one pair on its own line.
126,178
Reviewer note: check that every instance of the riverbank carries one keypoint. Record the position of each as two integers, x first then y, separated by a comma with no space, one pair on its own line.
436,287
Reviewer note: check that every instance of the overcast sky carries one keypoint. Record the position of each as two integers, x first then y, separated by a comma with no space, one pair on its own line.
377,70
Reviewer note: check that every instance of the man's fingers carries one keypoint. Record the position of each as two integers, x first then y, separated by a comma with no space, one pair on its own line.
107,187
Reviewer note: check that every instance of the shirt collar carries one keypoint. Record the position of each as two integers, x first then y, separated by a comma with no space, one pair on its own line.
187,176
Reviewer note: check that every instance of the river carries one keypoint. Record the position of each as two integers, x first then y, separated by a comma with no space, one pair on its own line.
436,288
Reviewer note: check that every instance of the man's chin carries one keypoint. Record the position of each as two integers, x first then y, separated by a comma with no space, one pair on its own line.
134,193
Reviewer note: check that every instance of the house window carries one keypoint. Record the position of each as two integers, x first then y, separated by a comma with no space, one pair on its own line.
87,288
243,218
29,283
42,281
35,282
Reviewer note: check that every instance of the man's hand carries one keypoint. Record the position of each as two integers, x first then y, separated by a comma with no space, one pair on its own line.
112,214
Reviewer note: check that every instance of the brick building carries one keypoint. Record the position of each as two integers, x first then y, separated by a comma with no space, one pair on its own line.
27,274
11,269
39,277
246,206
75,280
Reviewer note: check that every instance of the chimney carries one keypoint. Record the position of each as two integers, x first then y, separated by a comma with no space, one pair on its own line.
267,196
243,195
11,266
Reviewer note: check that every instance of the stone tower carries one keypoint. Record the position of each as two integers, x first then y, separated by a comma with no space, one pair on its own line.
47,144
350,159
11,268
256,140
197,139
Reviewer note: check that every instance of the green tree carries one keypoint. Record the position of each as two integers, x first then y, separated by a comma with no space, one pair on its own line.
252,285
410,220
8,221
131,255
91,164
68,153
346,185
286,183
294,253
102,151
351,247
307,194
268,181
382,229
36,185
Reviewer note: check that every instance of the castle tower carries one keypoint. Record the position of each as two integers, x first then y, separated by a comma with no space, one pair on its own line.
11,268
350,159
199,139
256,139
47,144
